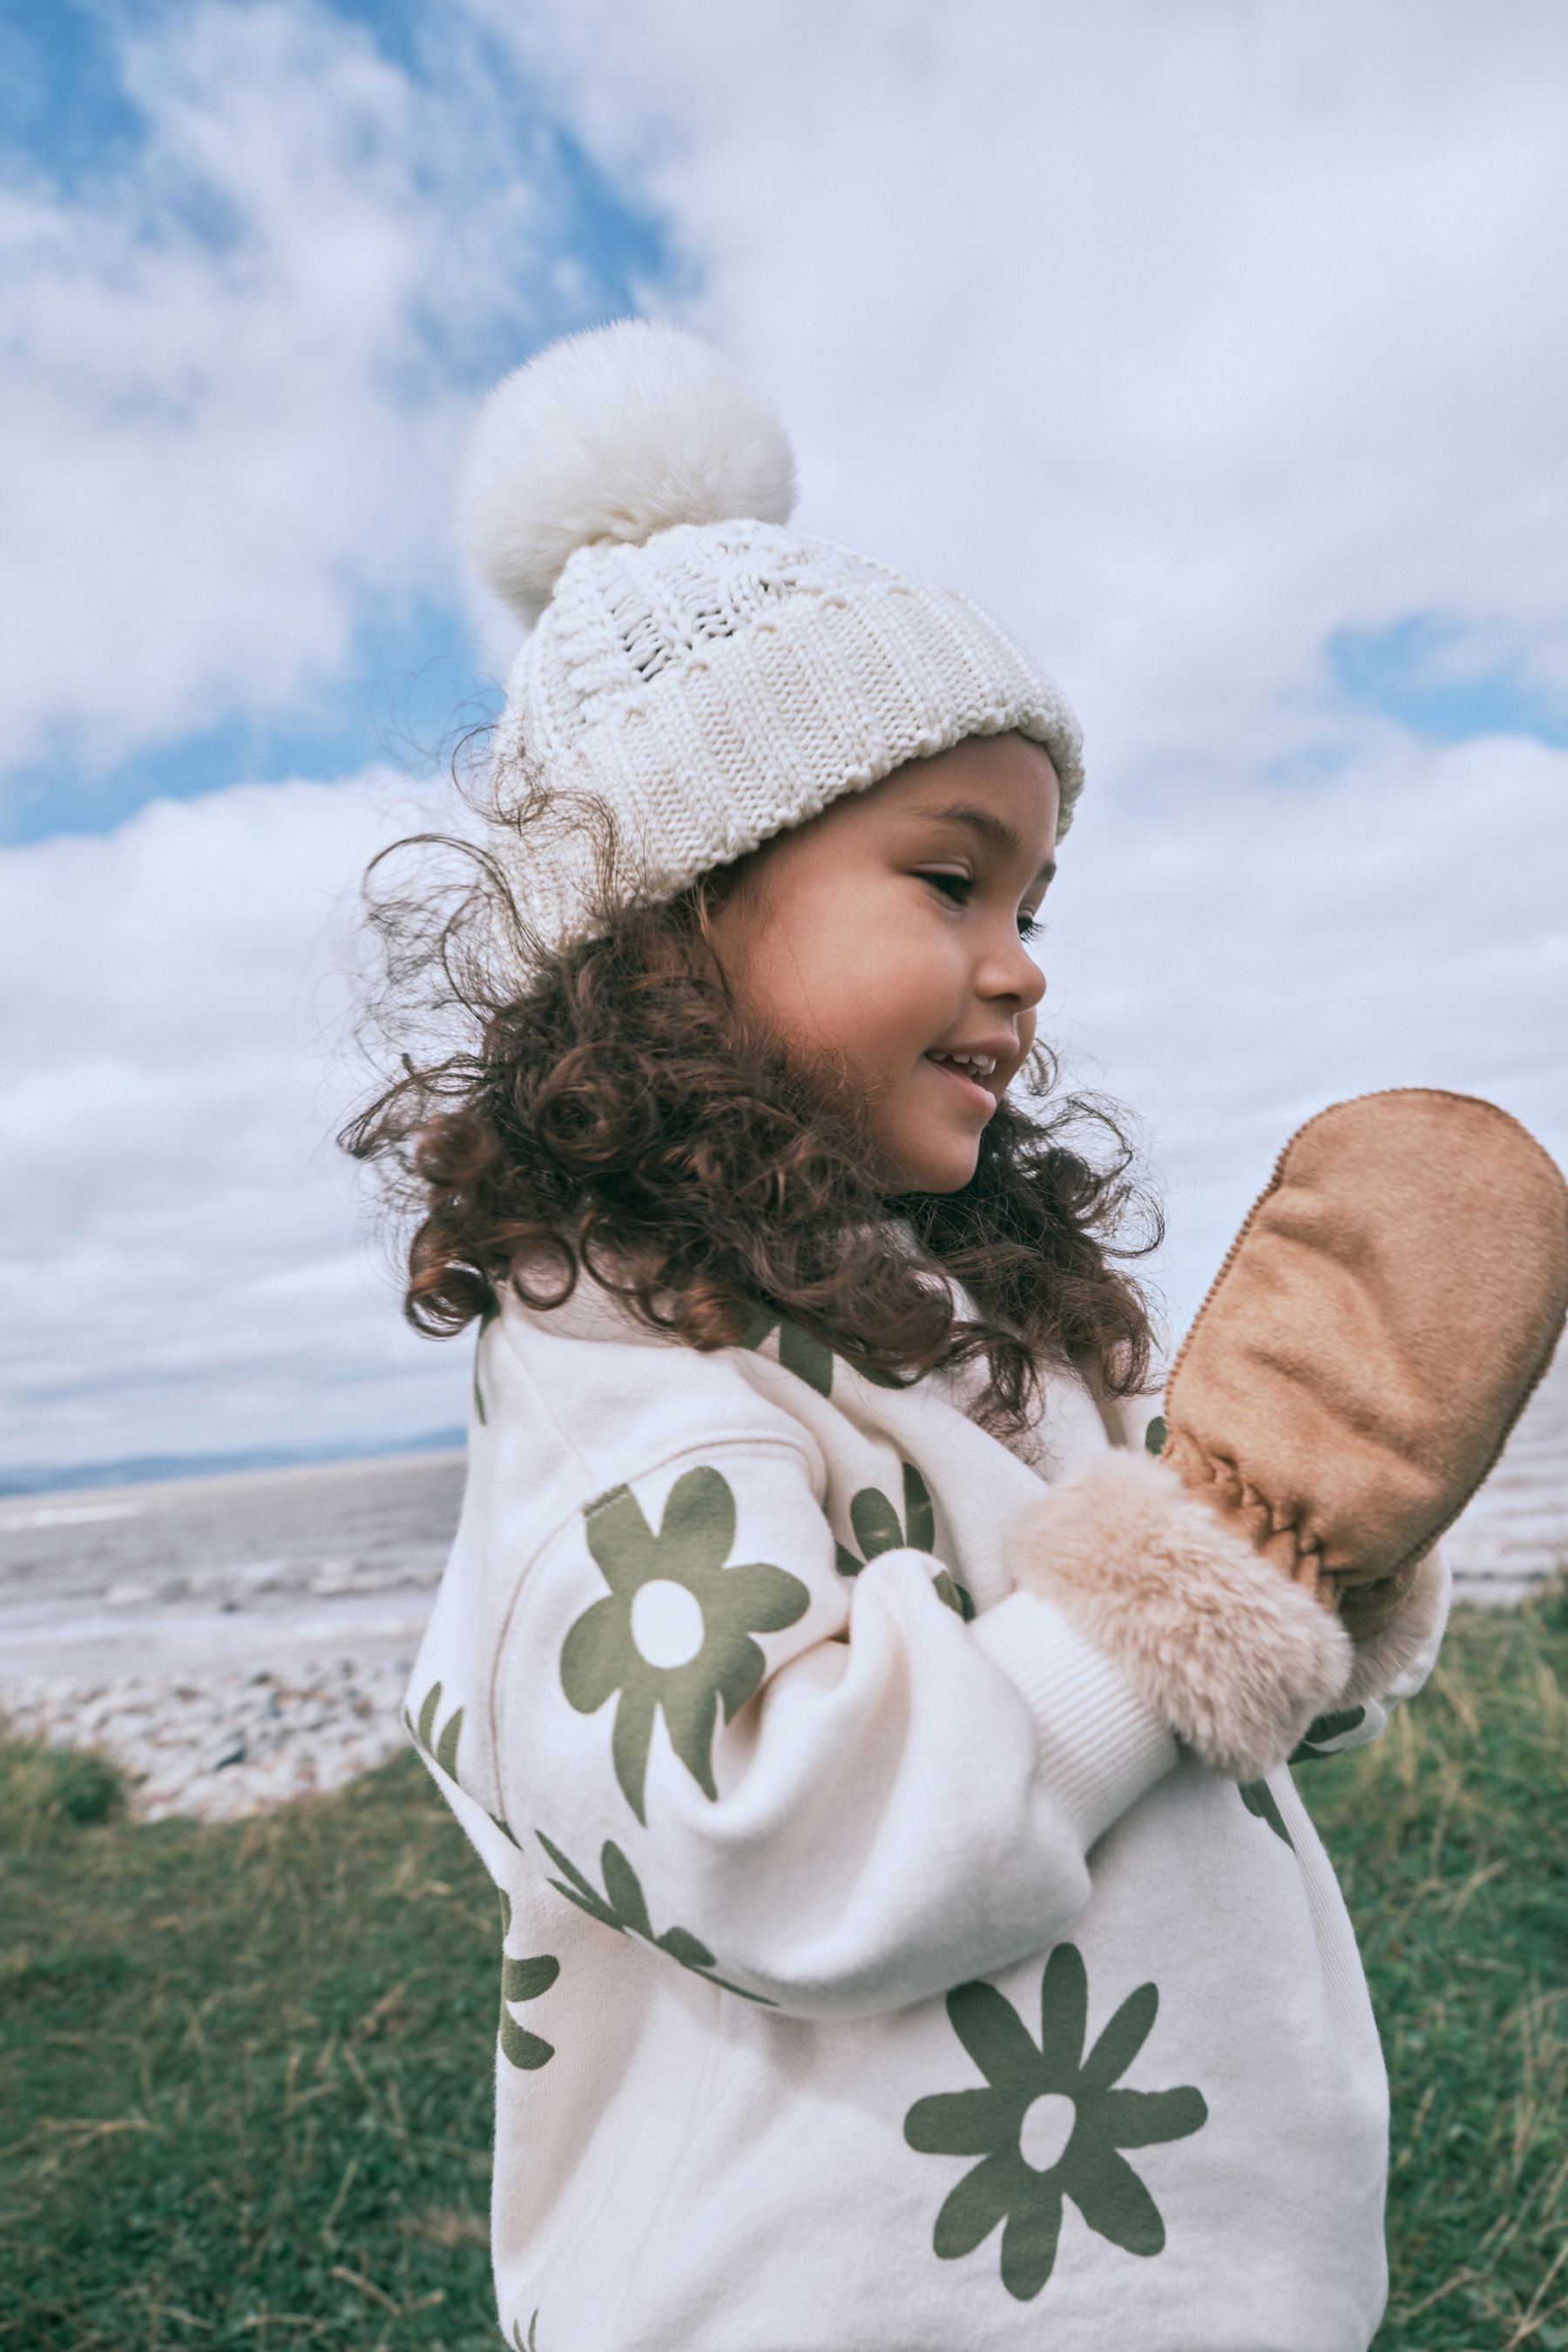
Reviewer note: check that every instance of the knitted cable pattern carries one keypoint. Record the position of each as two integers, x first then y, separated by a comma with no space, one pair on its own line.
721,684
710,682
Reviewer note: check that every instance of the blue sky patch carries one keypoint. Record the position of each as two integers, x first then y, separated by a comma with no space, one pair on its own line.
1416,671
68,127
64,111
412,691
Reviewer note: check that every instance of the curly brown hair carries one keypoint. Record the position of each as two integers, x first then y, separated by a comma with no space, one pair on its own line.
606,1112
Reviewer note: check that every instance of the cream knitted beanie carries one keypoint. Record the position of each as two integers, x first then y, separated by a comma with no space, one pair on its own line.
703,672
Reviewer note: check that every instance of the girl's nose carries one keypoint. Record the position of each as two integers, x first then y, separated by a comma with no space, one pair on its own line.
1013,972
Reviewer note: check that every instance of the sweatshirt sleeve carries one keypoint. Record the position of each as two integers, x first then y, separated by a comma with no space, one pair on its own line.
1390,1667
825,1791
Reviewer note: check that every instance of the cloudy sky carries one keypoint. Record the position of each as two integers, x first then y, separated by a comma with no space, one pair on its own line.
1218,345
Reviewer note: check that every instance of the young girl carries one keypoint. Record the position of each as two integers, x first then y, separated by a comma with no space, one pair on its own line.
881,1973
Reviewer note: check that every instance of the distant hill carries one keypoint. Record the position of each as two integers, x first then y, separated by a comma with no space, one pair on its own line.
55,1478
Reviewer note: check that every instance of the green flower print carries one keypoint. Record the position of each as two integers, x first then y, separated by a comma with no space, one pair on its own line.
443,1753
624,1907
1048,2124
878,1529
673,1634
1154,1435
522,1980
1318,1740
809,1359
521,2343
1258,1798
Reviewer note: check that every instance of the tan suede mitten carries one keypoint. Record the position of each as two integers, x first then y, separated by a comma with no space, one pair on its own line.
1369,1342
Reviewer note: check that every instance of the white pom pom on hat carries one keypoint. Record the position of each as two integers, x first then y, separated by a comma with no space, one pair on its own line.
614,434
707,673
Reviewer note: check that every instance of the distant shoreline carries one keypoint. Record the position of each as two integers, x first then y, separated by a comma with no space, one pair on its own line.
171,1469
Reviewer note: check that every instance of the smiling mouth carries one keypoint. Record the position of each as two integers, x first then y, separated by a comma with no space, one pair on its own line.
970,1073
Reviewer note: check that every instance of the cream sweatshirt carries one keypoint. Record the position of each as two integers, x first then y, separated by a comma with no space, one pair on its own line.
879,1972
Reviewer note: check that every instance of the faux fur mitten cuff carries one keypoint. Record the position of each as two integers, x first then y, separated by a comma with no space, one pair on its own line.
1235,1658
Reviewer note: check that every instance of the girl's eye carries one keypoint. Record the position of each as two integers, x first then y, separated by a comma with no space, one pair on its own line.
959,888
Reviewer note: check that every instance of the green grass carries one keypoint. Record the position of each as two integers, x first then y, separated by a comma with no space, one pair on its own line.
1448,1835
246,2097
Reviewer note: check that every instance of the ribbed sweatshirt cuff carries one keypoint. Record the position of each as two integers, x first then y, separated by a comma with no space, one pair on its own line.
1100,1746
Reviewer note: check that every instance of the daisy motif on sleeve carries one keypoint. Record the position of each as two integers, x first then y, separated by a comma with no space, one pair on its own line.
1049,2124
673,1634
878,1529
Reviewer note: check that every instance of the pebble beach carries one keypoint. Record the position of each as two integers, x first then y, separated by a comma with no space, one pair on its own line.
233,1743
232,1642
235,1643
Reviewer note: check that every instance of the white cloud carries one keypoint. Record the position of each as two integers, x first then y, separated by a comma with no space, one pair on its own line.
1184,335
1229,961
181,1268
181,1264
228,369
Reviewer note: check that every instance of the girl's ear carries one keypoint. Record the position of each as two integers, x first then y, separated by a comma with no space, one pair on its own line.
726,886
724,890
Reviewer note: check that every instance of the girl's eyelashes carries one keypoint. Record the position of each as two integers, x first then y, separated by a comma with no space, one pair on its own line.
958,889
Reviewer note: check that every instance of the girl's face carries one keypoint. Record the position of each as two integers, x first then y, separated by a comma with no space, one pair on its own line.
892,933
